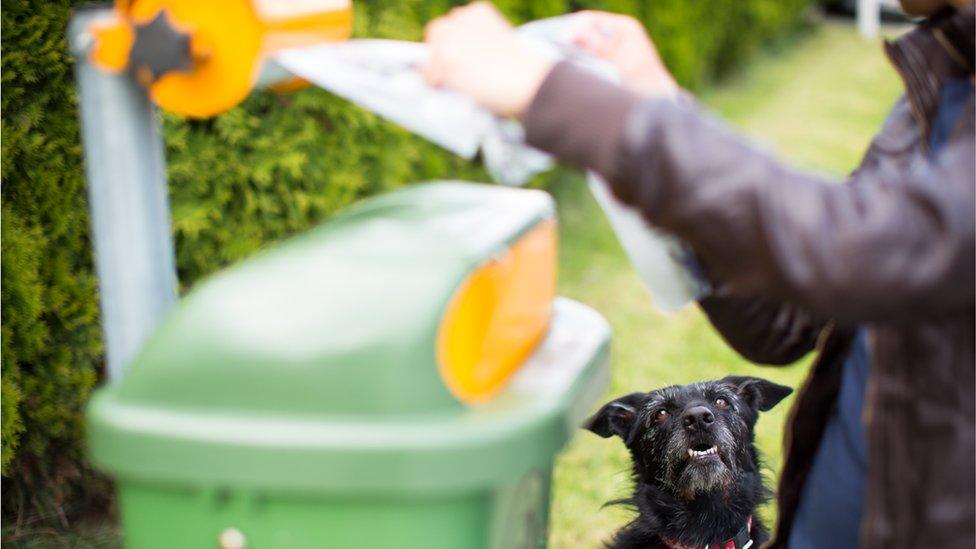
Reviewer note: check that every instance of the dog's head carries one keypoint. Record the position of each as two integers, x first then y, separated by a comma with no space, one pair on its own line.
693,439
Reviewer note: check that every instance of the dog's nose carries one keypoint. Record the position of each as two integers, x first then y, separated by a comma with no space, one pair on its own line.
697,418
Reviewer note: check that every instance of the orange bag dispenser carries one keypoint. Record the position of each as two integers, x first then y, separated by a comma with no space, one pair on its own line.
200,58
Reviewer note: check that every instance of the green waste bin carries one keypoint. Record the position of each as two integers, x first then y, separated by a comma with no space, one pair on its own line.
301,399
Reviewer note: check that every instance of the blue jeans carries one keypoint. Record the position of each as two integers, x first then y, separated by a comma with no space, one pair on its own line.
829,513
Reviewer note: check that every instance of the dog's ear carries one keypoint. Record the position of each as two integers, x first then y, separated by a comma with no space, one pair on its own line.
616,417
759,393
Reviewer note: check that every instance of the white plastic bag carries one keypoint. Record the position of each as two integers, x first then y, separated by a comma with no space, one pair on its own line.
384,76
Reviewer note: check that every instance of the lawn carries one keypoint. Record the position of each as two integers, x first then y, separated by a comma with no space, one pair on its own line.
816,104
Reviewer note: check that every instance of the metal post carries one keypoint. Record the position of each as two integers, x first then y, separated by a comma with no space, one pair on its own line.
127,197
869,18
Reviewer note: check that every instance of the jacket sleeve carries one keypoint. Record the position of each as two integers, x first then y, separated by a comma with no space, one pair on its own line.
761,331
889,246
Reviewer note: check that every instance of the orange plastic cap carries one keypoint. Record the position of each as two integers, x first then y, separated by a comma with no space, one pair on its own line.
497,317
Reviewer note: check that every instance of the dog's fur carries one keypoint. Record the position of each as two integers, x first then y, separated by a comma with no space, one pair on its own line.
690,499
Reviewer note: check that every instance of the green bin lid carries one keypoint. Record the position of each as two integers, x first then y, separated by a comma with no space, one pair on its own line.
312,366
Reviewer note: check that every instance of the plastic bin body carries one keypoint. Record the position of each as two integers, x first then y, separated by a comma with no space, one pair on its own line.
295,400
512,515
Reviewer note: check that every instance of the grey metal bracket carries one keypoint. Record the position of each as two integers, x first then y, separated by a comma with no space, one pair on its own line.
127,198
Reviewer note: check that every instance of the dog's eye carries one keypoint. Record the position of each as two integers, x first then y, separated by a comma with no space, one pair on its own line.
661,415
721,403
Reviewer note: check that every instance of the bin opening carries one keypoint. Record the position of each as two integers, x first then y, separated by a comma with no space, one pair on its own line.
498,316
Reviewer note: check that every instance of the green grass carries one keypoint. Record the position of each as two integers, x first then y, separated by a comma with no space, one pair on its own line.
817,105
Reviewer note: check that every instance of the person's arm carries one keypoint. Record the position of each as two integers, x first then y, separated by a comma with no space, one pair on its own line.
892,246
762,331
888,246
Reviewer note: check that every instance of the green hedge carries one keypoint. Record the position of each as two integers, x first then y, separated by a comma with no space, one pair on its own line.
270,168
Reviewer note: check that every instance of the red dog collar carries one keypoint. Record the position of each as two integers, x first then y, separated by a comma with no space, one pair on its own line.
742,540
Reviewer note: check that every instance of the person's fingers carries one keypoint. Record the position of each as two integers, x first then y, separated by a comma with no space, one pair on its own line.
436,69
592,15
603,18
436,34
435,29
455,11
433,73
482,9
467,12
482,15
585,40
616,24
592,43
596,39
599,22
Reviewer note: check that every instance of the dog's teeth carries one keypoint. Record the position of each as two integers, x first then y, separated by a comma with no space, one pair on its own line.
699,453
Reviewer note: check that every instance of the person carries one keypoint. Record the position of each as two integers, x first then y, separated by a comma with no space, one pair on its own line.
876,274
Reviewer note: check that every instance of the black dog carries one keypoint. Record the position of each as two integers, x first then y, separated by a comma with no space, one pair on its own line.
696,468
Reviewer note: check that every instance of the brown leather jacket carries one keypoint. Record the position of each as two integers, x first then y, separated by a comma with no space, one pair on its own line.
892,250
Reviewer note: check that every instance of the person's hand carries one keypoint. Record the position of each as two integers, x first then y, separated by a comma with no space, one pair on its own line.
622,41
474,50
